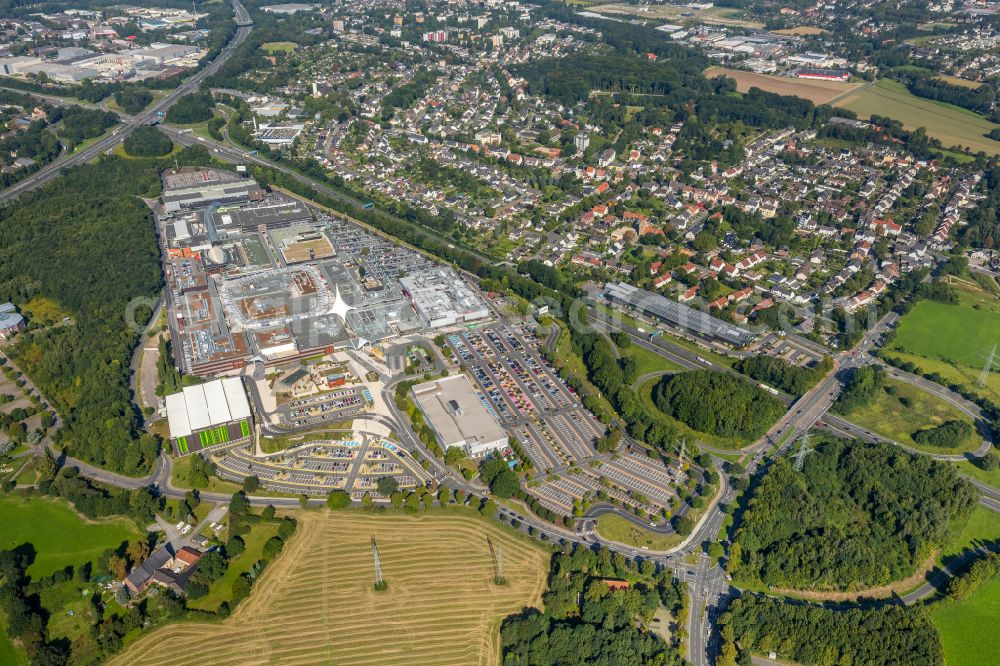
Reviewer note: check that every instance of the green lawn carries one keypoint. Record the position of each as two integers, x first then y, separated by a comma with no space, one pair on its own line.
890,417
983,526
957,334
221,590
952,125
648,361
59,535
969,628
181,477
9,653
615,527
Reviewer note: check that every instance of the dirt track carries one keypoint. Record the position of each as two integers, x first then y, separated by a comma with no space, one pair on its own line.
315,604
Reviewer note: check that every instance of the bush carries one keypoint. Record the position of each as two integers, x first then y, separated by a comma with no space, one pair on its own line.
948,435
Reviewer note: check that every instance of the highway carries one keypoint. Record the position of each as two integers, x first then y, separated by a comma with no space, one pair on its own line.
54,169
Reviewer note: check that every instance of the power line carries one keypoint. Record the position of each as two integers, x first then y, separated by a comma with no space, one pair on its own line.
984,375
380,584
804,450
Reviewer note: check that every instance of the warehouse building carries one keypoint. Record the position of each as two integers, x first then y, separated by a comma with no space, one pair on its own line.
457,414
677,314
209,415
442,298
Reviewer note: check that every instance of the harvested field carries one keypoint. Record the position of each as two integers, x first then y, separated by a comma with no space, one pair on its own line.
316,604
817,92
801,30
678,13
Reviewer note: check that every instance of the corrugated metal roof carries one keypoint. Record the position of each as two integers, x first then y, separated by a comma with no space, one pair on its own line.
177,416
236,395
218,407
197,407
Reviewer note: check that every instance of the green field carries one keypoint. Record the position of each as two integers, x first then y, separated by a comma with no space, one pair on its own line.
956,334
889,416
59,535
221,590
968,628
617,528
648,361
952,125
983,526
279,47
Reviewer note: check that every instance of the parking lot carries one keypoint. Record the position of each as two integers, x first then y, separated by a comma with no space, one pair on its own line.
527,396
335,405
318,468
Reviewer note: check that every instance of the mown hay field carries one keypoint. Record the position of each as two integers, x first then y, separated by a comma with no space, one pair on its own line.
814,90
316,604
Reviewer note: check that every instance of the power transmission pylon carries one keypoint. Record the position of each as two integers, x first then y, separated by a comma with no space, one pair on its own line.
496,554
380,584
987,367
804,450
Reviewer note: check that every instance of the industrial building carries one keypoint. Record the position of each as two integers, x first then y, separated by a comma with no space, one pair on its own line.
677,314
194,188
457,414
442,298
209,415
10,321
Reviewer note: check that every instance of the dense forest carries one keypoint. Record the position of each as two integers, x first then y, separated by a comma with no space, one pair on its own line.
777,372
148,141
586,622
717,403
858,515
862,387
195,107
86,244
815,636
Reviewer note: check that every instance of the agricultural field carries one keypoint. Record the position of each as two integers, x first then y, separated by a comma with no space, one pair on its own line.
316,604
901,410
955,334
959,81
801,30
677,13
968,628
952,125
817,92
60,536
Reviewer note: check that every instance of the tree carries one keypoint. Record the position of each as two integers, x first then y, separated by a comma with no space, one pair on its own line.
386,486
495,472
235,546
251,484
137,552
338,499
239,505
117,567
684,525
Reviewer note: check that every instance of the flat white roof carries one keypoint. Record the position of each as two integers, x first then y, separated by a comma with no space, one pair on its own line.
218,406
197,407
206,405
177,416
236,396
